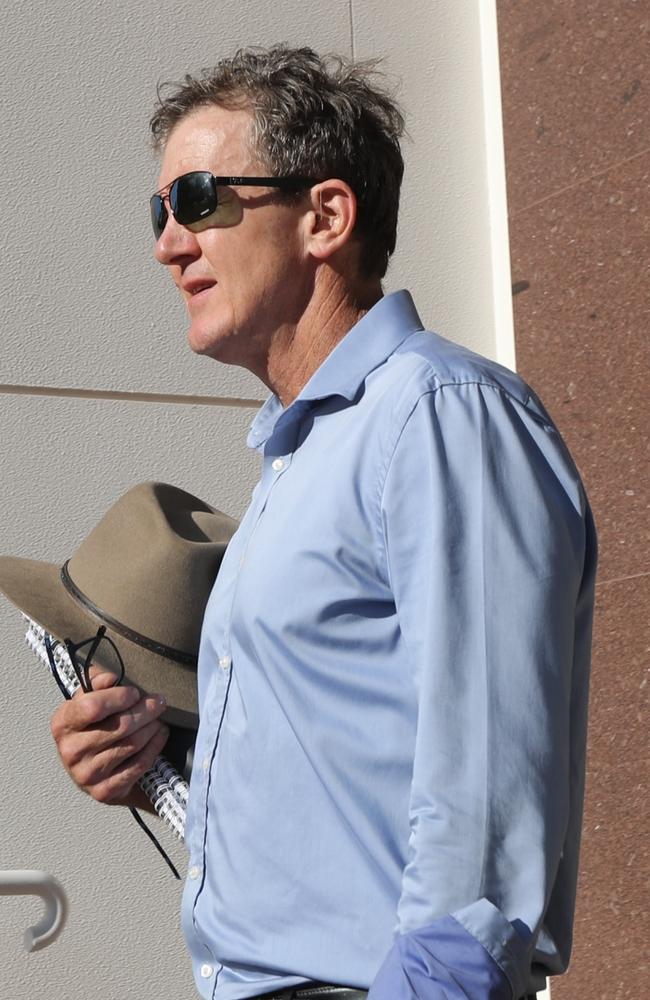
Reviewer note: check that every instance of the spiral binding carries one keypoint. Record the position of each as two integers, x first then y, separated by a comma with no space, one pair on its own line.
164,786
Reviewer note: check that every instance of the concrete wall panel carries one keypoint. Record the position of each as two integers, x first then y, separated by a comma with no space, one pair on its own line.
86,303
64,462
122,939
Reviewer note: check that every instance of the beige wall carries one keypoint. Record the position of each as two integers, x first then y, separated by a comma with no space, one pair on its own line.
87,317
577,128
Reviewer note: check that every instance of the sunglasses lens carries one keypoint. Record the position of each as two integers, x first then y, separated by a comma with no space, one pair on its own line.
193,197
158,215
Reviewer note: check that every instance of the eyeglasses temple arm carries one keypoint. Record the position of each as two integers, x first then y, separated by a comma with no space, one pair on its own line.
55,670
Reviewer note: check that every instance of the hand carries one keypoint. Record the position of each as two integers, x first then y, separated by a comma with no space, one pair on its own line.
107,738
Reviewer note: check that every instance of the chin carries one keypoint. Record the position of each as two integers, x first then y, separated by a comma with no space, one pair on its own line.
209,343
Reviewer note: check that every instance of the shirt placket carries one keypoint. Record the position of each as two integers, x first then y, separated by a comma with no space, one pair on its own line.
215,707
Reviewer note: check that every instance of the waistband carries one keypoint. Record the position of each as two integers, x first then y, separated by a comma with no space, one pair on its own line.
327,991
315,991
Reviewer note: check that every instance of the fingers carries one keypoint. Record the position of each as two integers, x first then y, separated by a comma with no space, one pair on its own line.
101,679
123,728
112,774
107,738
88,709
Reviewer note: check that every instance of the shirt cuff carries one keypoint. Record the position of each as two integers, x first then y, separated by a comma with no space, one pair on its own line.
442,961
509,948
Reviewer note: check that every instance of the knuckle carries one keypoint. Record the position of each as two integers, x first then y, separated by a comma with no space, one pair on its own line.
90,711
56,727
71,754
86,773
102,793
118,785
67,748
118,725
124,729
60,721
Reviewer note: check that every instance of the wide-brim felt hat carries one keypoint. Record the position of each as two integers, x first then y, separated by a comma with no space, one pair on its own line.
145,572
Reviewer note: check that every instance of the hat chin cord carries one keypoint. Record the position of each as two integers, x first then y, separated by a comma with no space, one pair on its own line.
166,789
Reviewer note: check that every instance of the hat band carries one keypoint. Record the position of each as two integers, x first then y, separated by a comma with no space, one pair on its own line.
141,640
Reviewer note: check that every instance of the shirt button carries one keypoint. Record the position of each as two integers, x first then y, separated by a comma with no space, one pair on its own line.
206,971
277,464
194,871
205,763
224,662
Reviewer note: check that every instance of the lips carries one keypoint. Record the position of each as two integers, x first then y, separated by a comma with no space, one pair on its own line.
197,286
196,290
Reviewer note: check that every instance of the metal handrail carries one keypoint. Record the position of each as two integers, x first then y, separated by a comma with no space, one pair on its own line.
37,883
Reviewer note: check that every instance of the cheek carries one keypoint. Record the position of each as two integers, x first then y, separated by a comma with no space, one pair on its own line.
254,263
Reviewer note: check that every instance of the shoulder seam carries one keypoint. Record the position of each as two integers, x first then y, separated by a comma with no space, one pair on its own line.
488,383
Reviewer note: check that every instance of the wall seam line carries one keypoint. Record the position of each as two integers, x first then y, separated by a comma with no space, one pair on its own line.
115,395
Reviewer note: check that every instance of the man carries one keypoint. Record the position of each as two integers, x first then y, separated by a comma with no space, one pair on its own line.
388,775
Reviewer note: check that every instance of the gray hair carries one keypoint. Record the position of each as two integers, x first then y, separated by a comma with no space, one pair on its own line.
313,116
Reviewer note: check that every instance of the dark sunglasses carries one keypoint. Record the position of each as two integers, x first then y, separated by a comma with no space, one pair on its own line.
198,199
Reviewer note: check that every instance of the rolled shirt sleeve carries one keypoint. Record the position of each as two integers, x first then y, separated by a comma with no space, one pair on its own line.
491,555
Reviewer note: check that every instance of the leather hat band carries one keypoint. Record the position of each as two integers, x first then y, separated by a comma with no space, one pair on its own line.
141,640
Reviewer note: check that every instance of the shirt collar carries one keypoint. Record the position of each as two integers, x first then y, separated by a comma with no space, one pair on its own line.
367,345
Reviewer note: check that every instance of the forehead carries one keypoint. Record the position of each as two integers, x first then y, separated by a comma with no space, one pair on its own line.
213,139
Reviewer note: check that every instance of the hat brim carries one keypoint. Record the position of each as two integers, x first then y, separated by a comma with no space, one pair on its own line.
37,590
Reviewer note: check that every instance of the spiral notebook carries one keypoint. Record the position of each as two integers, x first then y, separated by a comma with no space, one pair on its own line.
165,787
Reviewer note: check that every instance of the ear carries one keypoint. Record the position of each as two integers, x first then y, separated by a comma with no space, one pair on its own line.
333,217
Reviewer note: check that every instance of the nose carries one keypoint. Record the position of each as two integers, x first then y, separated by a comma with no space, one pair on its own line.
176,243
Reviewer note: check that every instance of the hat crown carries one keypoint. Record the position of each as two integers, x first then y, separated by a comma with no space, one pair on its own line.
151,562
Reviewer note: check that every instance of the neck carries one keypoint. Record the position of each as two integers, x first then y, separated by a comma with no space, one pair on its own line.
296,352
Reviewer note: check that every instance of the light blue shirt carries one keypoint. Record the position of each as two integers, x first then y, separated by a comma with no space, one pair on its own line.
388,778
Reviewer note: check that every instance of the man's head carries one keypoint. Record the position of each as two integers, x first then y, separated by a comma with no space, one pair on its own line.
247,257
313,117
